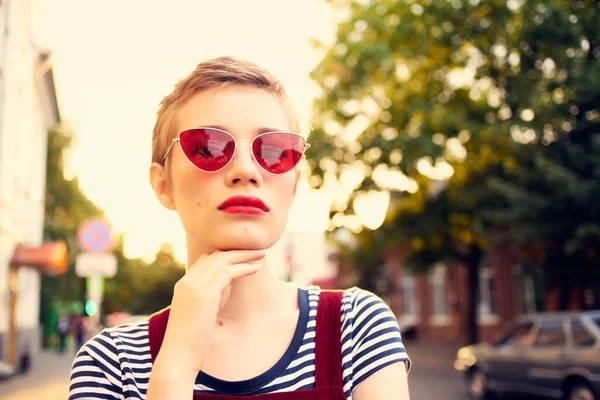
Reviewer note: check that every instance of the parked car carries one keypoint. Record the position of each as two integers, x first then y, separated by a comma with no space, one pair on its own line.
550,355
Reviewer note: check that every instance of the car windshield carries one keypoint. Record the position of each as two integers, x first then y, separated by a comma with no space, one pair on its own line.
596,320
519,334
551,333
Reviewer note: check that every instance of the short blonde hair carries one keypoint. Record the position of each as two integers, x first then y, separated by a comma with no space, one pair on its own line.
216,72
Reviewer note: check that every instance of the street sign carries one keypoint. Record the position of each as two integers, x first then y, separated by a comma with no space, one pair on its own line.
95,236
96,264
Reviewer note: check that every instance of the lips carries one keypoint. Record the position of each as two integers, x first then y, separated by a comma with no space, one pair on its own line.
240,204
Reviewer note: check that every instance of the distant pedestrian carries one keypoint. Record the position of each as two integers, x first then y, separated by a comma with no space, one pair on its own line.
79,332
63,332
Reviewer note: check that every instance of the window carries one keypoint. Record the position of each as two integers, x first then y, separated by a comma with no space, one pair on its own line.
518,335
527,278
596,320
528,295
408,294
438,289
551,333
486,306
581,336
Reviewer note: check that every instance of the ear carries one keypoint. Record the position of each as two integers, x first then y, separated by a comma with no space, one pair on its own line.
158,181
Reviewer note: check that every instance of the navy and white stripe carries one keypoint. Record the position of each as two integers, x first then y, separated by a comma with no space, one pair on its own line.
116,363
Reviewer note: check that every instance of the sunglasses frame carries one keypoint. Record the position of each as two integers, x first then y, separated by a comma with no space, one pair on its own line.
235,142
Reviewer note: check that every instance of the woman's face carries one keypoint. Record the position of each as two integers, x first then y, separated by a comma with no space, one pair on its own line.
196,196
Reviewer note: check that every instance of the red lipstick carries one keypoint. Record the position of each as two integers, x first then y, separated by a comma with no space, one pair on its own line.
244,205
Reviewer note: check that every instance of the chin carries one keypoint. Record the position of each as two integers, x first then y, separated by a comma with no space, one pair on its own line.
243,244
251,240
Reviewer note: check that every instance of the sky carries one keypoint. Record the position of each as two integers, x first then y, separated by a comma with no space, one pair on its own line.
114,61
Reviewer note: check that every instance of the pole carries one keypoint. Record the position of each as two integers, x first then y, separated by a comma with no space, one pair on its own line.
13,282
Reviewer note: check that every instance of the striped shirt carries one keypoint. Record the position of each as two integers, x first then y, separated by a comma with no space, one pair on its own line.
116,363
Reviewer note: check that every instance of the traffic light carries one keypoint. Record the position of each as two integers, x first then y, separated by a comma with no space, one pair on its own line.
91,308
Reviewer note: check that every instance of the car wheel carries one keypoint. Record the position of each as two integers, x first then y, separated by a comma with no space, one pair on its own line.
581,392
477,384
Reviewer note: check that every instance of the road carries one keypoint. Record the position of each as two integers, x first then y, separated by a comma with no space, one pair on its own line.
48,379
431,377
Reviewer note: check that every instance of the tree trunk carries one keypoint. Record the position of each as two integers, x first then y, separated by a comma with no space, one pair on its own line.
566,291
473,262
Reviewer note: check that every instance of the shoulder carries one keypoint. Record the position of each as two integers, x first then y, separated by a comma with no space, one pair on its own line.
371,336
366,318
358,304
122,339
111,357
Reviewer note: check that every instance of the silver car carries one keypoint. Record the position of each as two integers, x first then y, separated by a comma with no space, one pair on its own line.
550,355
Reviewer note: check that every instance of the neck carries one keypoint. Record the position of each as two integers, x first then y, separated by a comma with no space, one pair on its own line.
258,293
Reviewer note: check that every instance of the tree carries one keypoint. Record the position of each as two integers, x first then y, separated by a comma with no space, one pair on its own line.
414,94
407,103
551,192
140,288
65,208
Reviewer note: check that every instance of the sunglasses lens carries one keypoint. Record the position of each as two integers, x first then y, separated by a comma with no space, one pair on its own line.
278,152
208,149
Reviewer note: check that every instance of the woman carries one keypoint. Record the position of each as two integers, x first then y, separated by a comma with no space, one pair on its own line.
224,154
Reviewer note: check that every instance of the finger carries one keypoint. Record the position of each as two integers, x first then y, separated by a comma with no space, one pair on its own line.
239,256
220,259
224,296
229,273
209,264
230,257
197,267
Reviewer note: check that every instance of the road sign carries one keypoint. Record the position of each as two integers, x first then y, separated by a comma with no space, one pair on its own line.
95,236
96,264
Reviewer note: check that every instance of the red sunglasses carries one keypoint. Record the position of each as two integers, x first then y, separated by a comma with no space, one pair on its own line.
211,149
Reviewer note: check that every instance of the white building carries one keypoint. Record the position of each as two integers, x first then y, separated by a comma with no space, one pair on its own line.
303,257
28,107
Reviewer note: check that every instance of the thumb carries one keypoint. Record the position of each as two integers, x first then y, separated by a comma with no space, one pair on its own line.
225,296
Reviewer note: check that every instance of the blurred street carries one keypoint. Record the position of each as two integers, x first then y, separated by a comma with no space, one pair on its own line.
48,379
447,157
432,375
431,378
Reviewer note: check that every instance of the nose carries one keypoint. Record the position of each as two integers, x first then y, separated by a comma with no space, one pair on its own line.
243,169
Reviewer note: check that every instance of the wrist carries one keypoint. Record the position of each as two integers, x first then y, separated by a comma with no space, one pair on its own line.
169,381
173,369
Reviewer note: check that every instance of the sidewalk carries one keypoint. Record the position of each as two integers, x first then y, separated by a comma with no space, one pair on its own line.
48,379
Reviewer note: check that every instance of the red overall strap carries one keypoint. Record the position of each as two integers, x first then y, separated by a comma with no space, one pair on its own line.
328,340
157,325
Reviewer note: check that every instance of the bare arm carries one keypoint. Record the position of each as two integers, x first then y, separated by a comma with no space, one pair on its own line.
389,383
169,382
197,298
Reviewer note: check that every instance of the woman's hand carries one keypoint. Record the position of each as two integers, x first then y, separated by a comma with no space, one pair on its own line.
197,299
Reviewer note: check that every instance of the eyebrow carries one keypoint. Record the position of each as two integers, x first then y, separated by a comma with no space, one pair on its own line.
258,131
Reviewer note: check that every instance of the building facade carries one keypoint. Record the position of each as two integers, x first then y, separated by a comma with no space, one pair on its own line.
434,306
28,108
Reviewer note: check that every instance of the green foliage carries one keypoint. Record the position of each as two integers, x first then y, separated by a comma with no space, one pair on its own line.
551,191
138,287
505,92
65,208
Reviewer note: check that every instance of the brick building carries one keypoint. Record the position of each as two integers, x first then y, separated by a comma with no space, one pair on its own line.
433,306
